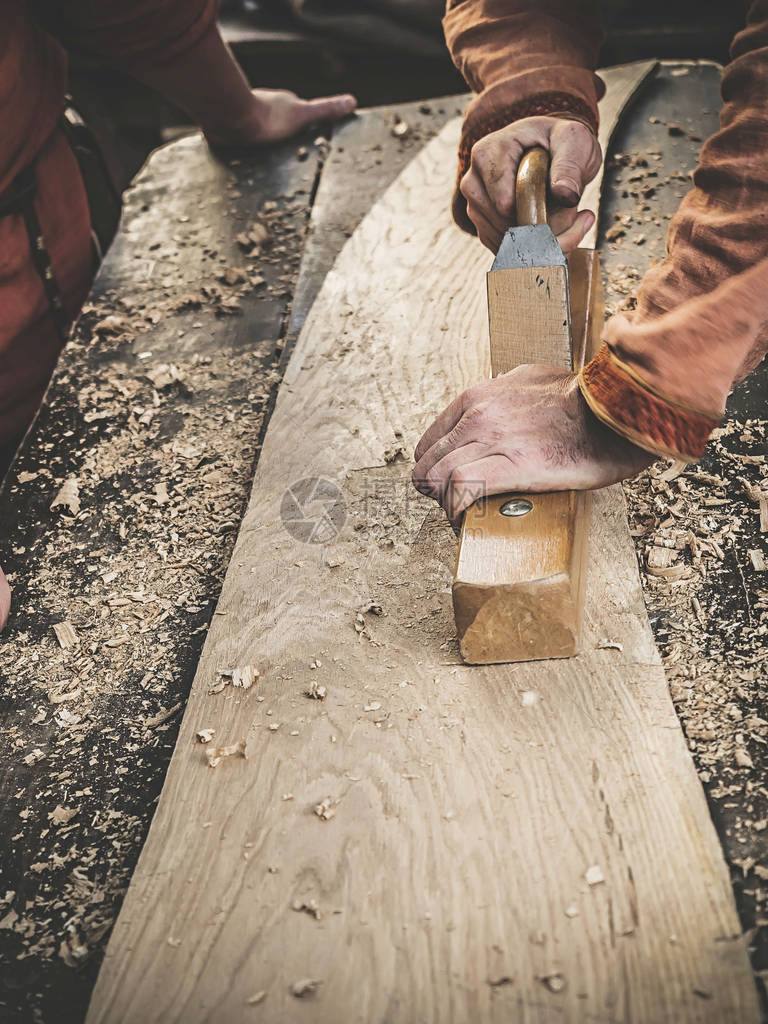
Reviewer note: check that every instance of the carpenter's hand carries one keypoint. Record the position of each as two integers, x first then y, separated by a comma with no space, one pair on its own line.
5,600
276,114
489,184
528,430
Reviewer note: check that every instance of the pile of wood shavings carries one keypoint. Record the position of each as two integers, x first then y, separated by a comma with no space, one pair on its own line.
695,531
139,484
701,538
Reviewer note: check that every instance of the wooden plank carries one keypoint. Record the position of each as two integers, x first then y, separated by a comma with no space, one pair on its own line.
349,187
475,809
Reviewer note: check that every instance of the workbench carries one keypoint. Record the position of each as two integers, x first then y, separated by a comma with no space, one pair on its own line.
121,510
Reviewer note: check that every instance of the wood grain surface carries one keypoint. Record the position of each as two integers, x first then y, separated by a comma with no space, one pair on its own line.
430,842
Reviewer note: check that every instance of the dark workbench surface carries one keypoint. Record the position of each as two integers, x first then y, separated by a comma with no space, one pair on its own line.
157,411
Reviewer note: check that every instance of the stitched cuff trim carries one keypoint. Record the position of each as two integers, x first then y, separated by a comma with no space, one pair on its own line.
626,403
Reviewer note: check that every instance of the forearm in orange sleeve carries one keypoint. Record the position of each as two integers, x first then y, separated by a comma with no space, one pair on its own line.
701,321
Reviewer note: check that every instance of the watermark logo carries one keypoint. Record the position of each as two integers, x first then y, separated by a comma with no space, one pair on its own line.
313,510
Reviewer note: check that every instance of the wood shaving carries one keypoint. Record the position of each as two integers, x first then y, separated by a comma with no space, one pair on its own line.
400,129
594,875
243,676
164,375
555,982
256,236
61,815
326,809
162,716
610,645
216,754
308,906
305,987
65,634
68,496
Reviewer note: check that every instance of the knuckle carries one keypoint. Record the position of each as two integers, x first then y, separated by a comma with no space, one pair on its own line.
573,129
459,478
479,151
474,412
433,478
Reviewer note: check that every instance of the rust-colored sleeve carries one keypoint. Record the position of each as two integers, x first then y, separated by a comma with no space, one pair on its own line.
129,33
522,57
701,322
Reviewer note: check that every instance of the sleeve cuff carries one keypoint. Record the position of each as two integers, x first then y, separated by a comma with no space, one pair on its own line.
630,406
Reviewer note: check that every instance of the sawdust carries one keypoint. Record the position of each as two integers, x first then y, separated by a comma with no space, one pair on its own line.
696,528
138,484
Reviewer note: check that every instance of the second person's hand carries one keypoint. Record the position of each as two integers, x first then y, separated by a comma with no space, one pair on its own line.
276,114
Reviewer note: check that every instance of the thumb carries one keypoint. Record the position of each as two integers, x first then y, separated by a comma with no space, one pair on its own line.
572,150
570,238
328,108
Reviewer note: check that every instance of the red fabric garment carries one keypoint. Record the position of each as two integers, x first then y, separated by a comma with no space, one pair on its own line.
701,321
33,80
142,33
29,343
33,75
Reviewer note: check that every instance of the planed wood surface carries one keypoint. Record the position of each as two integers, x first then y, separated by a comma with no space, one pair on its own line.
470,805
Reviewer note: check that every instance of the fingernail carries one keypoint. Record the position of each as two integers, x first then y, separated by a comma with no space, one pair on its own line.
569,186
